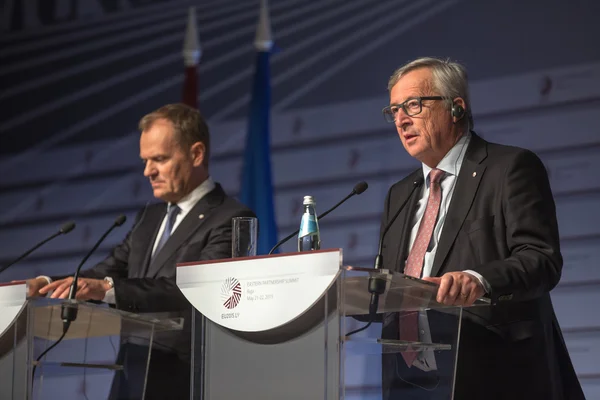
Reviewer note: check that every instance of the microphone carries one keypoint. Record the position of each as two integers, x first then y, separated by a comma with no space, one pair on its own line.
64,229
69,314
377,285
359,188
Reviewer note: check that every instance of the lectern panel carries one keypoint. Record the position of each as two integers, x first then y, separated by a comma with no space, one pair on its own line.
296,334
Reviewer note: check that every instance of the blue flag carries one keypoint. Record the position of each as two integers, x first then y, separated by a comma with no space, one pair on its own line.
257,186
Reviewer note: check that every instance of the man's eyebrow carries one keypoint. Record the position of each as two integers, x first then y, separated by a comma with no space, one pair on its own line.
409,97
154,156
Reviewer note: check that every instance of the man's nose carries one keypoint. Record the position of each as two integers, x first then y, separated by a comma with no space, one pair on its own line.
402,119
149,170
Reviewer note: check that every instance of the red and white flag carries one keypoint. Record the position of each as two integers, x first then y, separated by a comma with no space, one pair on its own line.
191,57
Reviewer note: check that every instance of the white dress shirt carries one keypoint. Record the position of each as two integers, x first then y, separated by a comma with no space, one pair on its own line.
450,164
185,205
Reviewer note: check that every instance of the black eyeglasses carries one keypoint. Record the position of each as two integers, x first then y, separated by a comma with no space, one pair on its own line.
411,107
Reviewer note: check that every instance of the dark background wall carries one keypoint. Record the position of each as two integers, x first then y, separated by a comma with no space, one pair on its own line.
75,77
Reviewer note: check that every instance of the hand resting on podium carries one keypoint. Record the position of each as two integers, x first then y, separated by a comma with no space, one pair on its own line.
457,288
87,288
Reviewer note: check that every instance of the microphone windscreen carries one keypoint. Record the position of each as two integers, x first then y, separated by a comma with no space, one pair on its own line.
360,187
67,227
120,220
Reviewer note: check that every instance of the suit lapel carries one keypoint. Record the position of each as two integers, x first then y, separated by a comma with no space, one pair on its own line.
471,172
190,224
146,234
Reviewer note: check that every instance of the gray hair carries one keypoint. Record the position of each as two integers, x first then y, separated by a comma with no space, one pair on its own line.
449,78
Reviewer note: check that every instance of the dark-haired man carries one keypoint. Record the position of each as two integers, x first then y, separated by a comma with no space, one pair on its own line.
192,223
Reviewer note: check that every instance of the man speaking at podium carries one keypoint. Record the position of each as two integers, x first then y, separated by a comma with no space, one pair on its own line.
480,222
192,223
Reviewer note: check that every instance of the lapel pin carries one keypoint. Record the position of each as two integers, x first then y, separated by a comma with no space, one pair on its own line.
474,174
201,216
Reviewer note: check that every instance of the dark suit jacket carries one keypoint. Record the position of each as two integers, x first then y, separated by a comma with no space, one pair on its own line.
501,223
142,286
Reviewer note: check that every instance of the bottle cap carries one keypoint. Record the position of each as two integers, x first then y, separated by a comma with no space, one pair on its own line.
309,200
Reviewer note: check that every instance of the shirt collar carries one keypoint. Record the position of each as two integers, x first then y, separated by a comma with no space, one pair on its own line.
190,200
453,159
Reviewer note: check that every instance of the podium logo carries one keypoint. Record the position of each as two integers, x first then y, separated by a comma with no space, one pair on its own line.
231,293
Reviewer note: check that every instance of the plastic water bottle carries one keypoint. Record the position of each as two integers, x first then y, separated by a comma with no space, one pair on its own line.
309,237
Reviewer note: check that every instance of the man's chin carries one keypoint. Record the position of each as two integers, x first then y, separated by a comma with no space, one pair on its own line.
166,197
159,194
414,151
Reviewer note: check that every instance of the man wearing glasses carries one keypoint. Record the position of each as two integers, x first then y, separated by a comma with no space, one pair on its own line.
480,222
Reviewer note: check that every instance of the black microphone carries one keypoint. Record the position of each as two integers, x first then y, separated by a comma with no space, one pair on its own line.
377,285
359,188
69,313
64,229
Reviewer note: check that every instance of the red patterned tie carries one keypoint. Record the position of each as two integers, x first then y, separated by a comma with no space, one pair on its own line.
409,327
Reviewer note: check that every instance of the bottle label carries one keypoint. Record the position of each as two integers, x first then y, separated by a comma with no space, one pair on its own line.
308,225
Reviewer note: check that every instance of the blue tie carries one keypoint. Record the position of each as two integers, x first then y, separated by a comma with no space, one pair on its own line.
172,211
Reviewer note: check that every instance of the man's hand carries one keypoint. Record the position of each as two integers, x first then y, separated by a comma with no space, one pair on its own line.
34,285
87,289
457,288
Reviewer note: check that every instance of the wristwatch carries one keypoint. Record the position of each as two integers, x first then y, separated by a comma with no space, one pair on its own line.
110,282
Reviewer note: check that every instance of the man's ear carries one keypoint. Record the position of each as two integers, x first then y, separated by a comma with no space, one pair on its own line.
198,153
459,109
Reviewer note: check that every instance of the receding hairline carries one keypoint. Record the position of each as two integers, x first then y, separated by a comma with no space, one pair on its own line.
176,135
426,85
152,122
146,125
149,120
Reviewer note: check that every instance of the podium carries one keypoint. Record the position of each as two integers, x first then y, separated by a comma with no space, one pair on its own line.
85,356
278,327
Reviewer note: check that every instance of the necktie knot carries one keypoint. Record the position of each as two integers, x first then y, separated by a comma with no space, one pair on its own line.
435,175
172,211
